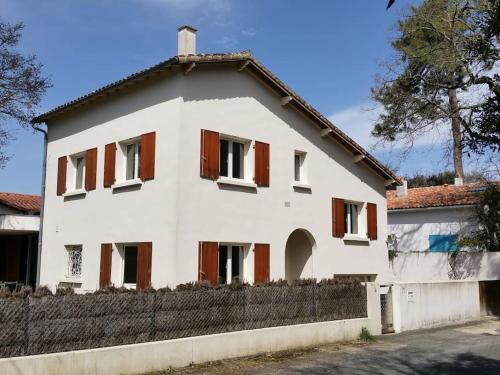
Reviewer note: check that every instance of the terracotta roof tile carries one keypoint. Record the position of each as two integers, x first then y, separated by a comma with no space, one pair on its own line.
435,196
21,202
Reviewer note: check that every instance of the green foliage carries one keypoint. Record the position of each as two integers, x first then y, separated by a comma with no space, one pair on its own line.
442,178
445,49
487,214
366,336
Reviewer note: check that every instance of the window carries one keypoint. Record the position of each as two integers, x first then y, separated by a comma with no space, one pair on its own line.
351,218
230,269
232,159
129,256
132,157
74,261
78,166
299,170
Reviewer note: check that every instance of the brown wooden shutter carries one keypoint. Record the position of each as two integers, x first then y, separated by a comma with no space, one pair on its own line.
90,169
61,175
144,255
209,154
371,215
261,266
261,163
109,164
147,156
105,269
207,262
338,224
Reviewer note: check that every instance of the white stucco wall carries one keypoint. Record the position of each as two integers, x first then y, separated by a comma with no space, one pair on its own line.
178,208
19,223
427,305
413,227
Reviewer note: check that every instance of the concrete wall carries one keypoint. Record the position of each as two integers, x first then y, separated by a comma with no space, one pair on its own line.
427,305
19,223
178,209
428,266
139,358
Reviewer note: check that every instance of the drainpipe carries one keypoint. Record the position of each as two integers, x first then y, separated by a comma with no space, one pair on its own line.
42,202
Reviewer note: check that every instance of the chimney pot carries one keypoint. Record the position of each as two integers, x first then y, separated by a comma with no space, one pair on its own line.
186,40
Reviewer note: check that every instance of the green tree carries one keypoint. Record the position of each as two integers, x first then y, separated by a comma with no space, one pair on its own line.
487,215
21,84
443,78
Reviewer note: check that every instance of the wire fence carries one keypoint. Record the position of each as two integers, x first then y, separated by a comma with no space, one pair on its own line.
36,323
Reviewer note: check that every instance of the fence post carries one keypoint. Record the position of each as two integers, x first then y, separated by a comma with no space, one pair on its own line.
26,325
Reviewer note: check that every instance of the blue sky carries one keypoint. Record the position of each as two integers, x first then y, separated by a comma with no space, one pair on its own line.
327,51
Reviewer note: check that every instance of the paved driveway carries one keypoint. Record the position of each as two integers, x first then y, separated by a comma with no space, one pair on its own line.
468,349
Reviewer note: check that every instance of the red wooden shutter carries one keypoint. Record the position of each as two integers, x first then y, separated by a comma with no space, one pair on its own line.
109,164
209,154
105,269
61,175
207,261
338,224
144,254
147,156
90,169
371,215
261,266
261,163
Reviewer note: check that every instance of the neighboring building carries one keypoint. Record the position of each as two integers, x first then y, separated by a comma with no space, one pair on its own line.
423,227
272,190
19,225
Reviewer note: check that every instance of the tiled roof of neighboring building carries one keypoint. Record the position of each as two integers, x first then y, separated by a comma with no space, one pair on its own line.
245,61
21,202
435,196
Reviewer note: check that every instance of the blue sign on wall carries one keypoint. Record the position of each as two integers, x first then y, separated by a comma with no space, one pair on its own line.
442,243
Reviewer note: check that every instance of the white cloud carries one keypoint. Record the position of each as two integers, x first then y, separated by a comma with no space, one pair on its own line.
358,121
251,32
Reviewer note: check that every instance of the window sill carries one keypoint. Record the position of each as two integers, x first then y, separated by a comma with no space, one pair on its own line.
134,182
236,182
301,185
352,237
71,280
75,193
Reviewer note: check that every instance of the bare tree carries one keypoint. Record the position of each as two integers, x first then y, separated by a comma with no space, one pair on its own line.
21,84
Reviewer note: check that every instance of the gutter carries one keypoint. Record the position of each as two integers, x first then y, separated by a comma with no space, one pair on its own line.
395,210
42,202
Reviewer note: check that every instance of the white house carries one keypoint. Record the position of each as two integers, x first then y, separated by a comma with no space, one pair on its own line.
19,226
423,227
206,167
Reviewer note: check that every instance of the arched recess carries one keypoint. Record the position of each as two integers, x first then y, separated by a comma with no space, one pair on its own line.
299,255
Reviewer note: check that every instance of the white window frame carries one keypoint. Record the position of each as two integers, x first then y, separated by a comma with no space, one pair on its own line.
301,155
74,171
121,165
245,162
360,215
69,266
121,251
229,262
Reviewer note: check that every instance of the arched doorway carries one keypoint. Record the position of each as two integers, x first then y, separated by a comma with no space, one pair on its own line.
298,255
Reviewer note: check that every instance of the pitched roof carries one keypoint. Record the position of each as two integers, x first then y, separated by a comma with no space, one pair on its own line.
245,61
435,196
21,202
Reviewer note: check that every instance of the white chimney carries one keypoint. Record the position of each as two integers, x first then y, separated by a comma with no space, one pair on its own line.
402,191
186,40
459,181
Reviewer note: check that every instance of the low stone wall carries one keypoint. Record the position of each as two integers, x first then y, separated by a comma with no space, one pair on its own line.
32,324
434,304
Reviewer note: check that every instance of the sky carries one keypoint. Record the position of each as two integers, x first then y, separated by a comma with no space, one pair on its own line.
329,52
